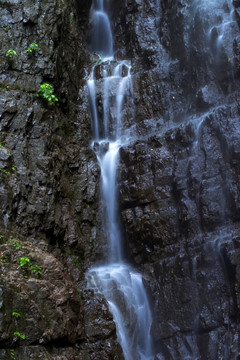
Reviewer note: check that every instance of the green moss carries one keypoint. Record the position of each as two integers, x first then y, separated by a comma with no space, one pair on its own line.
77,262
9,87
11,353
6,28
85,354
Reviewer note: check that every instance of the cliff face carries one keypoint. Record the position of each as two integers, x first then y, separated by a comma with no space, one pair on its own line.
49,188
178,179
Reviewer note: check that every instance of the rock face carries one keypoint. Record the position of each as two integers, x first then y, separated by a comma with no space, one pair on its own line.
179,178
43,141
40,306
49,188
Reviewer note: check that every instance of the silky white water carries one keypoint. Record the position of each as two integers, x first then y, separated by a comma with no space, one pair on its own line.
101,41
121,286
125,293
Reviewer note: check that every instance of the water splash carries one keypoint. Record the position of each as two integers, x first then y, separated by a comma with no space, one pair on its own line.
124,290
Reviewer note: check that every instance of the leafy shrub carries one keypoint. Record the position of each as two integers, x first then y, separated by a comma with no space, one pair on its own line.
46,92
18,334
10,53
16,314
32,48
13,242
6,28
36,269
17,245
26,264
12,354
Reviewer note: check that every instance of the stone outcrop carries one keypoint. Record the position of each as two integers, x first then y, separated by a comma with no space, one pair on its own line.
39,304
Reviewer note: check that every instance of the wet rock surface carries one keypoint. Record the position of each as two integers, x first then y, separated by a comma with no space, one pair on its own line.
179,178
49,185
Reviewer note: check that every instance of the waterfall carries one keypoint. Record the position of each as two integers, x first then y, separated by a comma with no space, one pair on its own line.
102,42
110,86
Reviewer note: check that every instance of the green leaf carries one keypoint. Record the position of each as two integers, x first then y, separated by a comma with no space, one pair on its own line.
16,314
10,53
18,334
24,261
32,48
46,92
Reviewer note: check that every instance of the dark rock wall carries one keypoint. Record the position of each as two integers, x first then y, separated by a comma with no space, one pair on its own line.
43,141
179,178
49,188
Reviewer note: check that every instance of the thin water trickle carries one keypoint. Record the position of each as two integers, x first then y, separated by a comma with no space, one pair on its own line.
93,106
106,103
102,41
121,286
222,25
108,164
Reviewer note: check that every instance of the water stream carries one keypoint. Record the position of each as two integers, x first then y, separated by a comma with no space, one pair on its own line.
110,89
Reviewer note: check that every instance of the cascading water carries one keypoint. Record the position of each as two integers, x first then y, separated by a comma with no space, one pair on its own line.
221,18
102,42
110,89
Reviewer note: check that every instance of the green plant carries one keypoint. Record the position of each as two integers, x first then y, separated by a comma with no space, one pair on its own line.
16,314
16,244
32,48
46,92
14,168
79,292
26,264
12,354
3,260
99,59
1,145
6,28
10,53
4,171
18,334
36,269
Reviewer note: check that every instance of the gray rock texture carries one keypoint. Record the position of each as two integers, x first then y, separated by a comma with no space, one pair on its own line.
179,177
49,188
